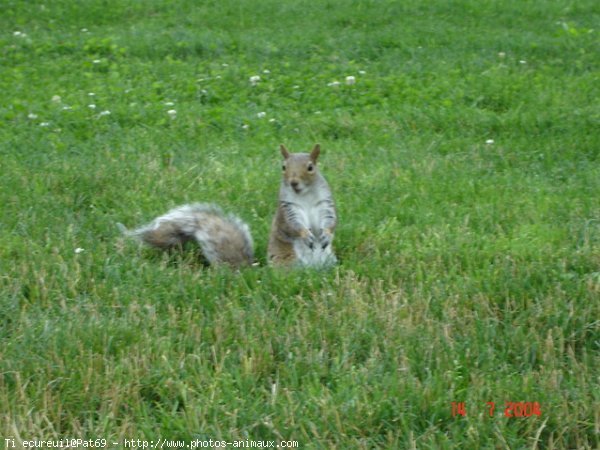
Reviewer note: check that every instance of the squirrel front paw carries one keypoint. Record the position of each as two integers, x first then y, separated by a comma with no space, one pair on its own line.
325,238
309,239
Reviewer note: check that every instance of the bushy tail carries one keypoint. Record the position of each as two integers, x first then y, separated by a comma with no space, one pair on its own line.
223,238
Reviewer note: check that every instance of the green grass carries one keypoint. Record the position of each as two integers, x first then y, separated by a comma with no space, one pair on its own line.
469,271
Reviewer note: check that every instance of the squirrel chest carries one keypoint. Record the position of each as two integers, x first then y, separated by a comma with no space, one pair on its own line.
307,209
310,209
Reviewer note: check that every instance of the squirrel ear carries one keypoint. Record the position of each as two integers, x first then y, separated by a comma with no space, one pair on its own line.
315,152
284,151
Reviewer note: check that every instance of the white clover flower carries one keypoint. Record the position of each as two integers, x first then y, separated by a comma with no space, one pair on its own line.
295,87
266,71
218,77
254,79
245,126
104,113
84,30
169,104
225,65
501,55
91,94
44,124
67,108
92,106
261,115
489,141
172,113
350,80
334,83
361,72
272,120
17,33
32,116
97,61
56,98
79,250
522,61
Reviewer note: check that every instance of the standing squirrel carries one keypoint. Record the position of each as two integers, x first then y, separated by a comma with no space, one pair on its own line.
301,233
304,224
223,238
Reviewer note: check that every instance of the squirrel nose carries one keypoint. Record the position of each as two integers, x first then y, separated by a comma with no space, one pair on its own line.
294,184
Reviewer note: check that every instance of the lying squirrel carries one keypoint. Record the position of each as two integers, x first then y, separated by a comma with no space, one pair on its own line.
301,233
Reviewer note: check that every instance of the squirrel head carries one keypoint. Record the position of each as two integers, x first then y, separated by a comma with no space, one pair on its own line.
300,169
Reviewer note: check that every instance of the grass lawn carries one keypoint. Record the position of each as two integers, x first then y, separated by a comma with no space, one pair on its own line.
464,159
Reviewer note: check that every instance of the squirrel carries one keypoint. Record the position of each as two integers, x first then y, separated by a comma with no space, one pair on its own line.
223,238
304,224
301,232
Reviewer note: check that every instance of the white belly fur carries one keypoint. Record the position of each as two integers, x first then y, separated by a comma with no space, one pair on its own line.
317,256
306,209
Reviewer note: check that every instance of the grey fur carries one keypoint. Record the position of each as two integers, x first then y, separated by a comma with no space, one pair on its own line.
223,238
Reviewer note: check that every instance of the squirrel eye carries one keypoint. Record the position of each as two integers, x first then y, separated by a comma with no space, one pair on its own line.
283,167
311,167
